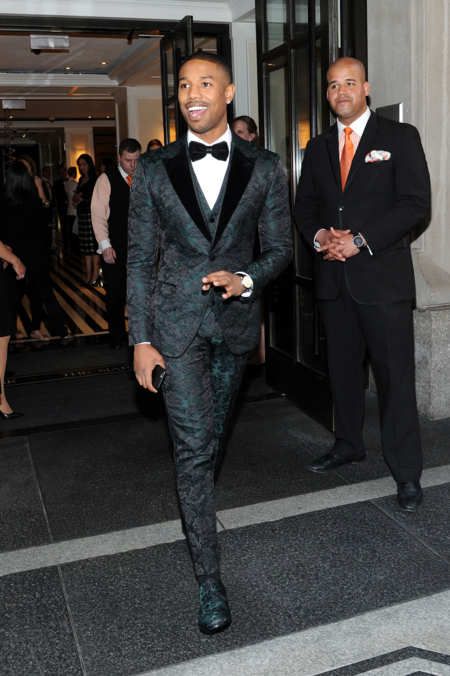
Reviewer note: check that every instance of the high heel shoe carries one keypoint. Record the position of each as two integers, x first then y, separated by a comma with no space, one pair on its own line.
10,416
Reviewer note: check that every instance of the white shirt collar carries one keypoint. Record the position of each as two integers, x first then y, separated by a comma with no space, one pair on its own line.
122,172
225,137
358,125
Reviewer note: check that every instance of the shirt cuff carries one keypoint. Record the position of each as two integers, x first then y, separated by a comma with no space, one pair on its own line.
103,244
144,342
248,293
316,243
366,244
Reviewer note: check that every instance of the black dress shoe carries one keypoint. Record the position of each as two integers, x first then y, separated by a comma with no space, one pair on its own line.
409,495
10,416
331,460
214,613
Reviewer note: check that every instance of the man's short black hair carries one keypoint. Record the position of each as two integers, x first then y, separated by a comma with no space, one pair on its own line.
129,145
212,58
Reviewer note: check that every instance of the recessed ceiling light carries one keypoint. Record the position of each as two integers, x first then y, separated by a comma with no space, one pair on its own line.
67,68
89,117
10,117
103,63
108,117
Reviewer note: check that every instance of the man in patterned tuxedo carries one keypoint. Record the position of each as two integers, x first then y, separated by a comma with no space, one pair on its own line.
194,290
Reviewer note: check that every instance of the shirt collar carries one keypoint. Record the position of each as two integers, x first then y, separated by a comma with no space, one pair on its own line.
357,125
122,172
225,137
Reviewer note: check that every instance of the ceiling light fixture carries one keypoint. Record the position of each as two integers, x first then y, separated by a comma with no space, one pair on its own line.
103,63
89,117
67,68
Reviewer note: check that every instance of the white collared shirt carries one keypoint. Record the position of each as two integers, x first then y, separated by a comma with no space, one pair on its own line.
209,171
100,211
357,128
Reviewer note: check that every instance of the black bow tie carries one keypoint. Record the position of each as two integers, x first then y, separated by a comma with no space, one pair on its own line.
198,150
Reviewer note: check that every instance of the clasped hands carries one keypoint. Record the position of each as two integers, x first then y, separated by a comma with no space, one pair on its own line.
336,245
146,357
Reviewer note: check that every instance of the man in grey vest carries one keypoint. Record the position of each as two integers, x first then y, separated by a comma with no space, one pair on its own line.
194,290
109,213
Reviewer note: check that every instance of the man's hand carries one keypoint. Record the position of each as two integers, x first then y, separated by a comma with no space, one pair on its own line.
145,359
109,255
229,281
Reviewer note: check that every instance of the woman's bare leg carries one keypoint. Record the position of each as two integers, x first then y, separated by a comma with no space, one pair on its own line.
4,405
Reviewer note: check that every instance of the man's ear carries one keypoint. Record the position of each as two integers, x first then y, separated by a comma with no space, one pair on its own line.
367,88
230,91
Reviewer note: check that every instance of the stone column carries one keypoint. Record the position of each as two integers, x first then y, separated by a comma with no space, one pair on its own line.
409,61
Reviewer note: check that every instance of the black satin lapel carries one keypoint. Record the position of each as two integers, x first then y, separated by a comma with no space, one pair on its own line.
178,171
364,146
239,175
333,152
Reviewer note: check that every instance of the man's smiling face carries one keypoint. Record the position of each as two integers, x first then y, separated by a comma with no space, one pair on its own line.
204,91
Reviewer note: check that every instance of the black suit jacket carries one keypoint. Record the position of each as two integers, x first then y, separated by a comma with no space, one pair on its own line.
385,201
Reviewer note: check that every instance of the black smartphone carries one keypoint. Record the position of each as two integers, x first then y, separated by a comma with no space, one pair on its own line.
158,376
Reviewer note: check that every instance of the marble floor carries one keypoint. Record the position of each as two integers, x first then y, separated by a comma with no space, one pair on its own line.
325,574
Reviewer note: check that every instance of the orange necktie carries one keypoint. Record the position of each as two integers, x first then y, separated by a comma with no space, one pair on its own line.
348,152
129,180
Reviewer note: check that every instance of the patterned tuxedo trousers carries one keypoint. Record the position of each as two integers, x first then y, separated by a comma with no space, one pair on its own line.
199,392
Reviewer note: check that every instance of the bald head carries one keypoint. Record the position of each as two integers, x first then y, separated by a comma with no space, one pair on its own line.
349,61
347,89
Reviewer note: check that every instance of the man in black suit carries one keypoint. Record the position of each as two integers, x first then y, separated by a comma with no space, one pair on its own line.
198,206
364,188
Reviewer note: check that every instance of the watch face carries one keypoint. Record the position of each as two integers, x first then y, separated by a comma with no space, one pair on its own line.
247,282
358,241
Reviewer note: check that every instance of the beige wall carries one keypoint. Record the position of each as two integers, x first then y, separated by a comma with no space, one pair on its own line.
145,114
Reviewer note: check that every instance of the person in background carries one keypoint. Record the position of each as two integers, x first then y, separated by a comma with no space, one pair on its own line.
109,209
153,144
245,127
60,196
82,200
69,187
7,321
24,229
363,189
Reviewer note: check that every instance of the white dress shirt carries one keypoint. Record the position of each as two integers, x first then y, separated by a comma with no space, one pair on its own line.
357,126
209,171
100,210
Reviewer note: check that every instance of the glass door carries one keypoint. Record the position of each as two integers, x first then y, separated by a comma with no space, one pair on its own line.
175,47
296,41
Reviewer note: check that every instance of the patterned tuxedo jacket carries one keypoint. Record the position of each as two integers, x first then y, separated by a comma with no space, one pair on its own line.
171,246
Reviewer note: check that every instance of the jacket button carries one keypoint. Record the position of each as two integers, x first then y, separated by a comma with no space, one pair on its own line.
212,257
211,219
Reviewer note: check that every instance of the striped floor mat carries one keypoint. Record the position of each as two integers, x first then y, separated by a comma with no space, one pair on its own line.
83,306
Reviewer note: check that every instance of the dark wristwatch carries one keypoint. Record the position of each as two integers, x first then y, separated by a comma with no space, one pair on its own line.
359,241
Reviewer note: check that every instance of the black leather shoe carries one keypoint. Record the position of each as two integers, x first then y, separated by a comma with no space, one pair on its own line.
214,612
409,495
330,461
10,416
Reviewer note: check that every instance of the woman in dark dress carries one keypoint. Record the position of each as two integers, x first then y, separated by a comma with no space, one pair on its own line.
82,201
7,320
25,230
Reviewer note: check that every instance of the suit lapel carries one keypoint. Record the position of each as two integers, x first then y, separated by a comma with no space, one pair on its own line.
364,146
241,169
333,152
177,168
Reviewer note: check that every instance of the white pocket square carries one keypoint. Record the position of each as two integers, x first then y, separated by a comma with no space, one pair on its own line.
378,156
